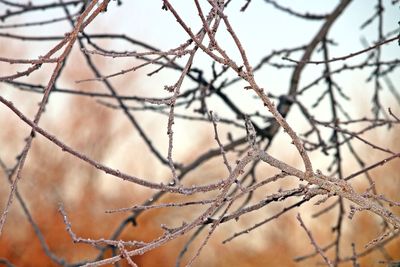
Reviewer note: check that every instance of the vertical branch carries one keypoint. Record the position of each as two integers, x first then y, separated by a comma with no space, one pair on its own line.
317,248
377,109
71,40
335,140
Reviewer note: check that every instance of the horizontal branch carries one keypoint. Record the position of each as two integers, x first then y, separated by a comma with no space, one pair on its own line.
108,170
343,57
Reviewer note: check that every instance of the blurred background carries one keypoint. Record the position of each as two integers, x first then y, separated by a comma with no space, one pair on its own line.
95,126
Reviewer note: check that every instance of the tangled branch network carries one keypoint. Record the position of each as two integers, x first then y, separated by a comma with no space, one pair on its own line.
284,127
